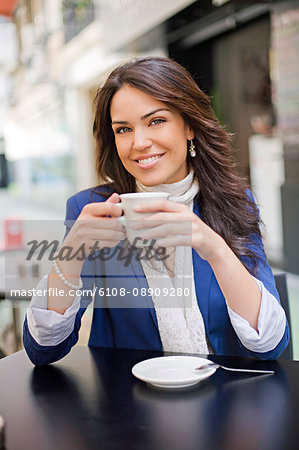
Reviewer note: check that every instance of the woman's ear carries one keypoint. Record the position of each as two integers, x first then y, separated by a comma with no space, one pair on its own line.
190,133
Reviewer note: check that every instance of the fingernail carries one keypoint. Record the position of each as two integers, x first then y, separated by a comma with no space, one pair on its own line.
137,208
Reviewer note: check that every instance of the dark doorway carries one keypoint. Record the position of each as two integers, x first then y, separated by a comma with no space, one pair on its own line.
233,69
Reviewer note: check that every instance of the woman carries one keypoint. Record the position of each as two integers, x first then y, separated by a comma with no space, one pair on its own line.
155,131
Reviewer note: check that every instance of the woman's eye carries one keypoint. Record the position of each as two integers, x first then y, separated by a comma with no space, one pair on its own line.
122,130
157,121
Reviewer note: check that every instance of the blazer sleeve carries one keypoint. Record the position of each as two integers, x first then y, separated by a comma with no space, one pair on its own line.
264,274
39,354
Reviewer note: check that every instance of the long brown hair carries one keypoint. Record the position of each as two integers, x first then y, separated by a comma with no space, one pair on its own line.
224,203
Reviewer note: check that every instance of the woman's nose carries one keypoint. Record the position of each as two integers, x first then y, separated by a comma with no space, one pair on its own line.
141,140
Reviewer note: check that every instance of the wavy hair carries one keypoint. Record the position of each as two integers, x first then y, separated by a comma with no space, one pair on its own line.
224,203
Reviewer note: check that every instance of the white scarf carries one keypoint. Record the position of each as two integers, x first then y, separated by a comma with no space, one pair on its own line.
180,322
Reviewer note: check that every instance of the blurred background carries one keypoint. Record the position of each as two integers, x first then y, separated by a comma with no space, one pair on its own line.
53,55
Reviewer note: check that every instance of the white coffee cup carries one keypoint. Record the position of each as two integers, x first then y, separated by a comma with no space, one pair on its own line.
128,202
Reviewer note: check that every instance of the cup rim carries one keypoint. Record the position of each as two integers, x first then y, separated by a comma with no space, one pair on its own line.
144,195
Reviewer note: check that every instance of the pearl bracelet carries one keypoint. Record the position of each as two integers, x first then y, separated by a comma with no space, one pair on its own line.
62,277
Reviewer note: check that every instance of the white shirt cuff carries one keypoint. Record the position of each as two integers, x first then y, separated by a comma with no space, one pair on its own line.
271,324
48,327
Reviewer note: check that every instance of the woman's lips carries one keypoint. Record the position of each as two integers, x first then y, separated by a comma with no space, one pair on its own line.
149,162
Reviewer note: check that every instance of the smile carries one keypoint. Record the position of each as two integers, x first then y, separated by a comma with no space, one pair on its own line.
149,161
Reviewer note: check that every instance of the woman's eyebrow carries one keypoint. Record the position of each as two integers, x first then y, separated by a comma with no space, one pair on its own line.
153,112
124,122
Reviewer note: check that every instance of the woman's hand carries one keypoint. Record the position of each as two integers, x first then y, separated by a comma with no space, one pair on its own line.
172,224
97,226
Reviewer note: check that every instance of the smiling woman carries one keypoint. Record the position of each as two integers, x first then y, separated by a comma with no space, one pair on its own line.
152,140
155,131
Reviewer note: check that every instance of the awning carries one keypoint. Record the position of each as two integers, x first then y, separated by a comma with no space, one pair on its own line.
7,7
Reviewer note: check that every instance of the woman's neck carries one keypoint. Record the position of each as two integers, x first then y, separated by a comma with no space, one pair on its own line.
179,186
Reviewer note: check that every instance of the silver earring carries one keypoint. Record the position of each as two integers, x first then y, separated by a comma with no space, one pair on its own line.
192,149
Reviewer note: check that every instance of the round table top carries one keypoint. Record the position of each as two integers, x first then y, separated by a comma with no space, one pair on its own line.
90,399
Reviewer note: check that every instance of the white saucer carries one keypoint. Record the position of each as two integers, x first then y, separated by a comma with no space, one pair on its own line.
172,372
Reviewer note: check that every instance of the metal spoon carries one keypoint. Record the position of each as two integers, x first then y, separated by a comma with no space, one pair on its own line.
216,366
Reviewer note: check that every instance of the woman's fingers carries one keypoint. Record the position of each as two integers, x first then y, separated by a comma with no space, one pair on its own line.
101,224
170,224
142,223
159,205
168,229
114,198
89,231
102,209
107,232
177,241
161,217
108,235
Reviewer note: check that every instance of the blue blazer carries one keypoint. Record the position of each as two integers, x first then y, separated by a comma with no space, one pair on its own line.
134,324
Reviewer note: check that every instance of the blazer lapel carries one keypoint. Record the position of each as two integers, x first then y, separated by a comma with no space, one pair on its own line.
136,268
202,278
130,275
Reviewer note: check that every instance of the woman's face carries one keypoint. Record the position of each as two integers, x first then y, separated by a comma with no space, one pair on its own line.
150,137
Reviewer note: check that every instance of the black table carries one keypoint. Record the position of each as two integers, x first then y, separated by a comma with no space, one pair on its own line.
90,400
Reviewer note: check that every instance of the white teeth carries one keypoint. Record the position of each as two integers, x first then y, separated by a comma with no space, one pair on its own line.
148,160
